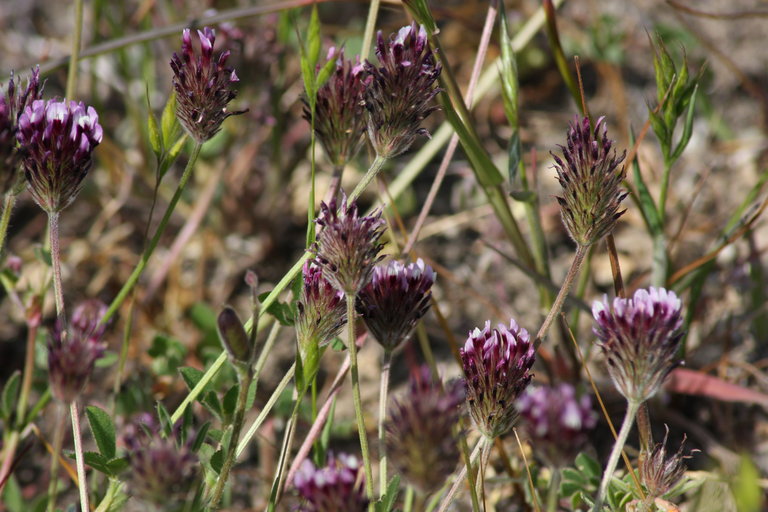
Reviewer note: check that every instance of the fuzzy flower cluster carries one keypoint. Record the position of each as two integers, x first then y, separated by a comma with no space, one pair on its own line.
557,421
497,367
395,300
203,85
421,431
590,174
321,310
74,349
58,139
334,488
347,245
639,338
12,104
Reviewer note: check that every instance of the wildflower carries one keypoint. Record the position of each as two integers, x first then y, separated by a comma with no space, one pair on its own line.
639,337
74,349
556,421
233,337
347,246
421,438
338,487
591,177
497,364
399,96
58,139
339,119
659,473
203,86
394,301
11,107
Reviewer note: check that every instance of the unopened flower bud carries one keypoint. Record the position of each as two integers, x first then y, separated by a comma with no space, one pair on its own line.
233,337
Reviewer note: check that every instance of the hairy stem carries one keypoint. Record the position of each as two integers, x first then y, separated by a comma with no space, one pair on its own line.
8,201
335,185
578,259
383,391
460,477
82,483
58,440
621,439
372,172
58,292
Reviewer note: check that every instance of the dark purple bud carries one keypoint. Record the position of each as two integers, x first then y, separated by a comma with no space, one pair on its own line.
339,119
347,246
639,338
58,139
337,487
660,473
12,104
233,337
557,422
497,367
395,300
421,431
203,86
590,174
401,91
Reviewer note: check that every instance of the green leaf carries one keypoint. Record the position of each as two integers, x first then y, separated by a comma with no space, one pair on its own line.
647,204
103,430
118,465
508,73
283,313
687,126
588,466
43,255
212,403
166,424
514,151
176,148
169,123
200,437
229,402
387,502
10,395
313,38
325,73
746,486
217,460
98,462
191,376
155,138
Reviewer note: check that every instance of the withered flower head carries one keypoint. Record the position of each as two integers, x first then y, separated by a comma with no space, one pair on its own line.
659,473
556,421
497,367
203,86
74,349
401,92
591,178
339,119
395,300
639,337
337,487
58,138
421,431
12,104
347,246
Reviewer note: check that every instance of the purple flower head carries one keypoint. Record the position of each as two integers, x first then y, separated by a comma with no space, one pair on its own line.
591,177
321,309
401,92
395,300
497,367
12,104
337,487
74,349
557,421
339,119
161,472
203,86
639,338
421,431
659,473
58,139
347,246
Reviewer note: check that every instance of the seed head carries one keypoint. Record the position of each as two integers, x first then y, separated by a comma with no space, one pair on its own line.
395,300
339,119
347,246
58,138
12,104
399,96
639,337
557,421
497,367
203,86
74,349
659,473
421,431
591,178
338,487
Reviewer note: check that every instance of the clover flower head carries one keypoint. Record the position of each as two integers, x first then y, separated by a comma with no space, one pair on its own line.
337,487
321,308
12,104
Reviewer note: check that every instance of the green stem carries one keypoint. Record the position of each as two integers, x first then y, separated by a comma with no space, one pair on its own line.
74,59
58,440
408,500
460,477
370,26
245,377
8,201
134,277
285,450
372,172
578,259
356,395
383,391
621,439
664,191
552,494
311,201
58,292
82,483
26,383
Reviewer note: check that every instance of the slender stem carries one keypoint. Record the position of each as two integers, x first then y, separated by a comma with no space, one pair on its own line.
485,455
311,200
58,440
58,292
613,256
644,428
356,395
82,484
460,477
664,191
245,378
134,277
335,185
552,493
8,201
383,390
621,439
26,383
285,450
578,259
372,172
408,500
7,456
370,25
75,57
